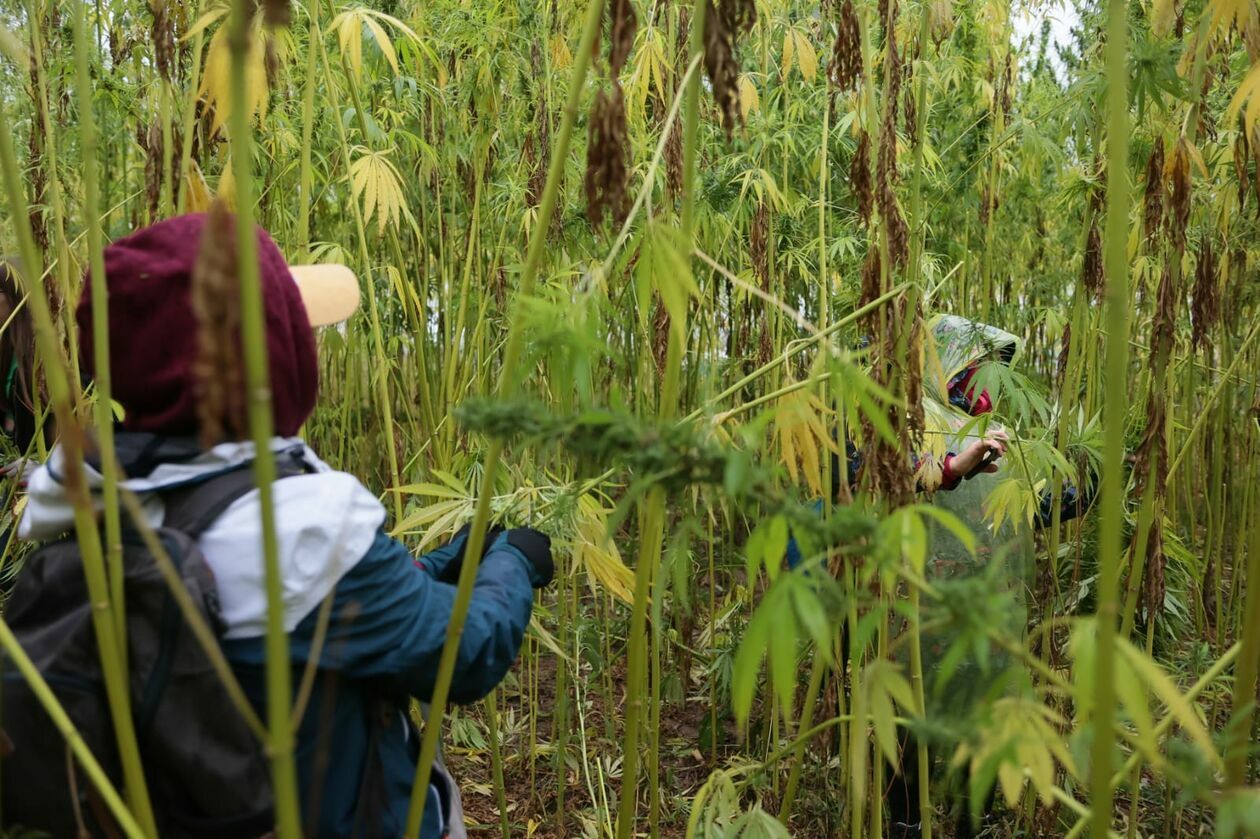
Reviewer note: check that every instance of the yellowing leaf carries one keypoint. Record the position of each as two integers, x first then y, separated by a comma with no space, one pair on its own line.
216,84
561,56
1248,93
789,54
749,101
349,27
805,55
376,182
596,552
1163,15
196,192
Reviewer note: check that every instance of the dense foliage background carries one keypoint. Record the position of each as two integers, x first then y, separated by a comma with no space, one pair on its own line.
910,158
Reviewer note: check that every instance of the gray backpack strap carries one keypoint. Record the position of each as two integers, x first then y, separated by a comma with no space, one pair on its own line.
192,509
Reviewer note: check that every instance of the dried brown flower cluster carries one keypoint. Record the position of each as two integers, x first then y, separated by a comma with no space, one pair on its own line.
606,157
1206,307
723,24
1177,219
845,69
860,178
277,12
218,369
164,38
1153,210
538,146
608,140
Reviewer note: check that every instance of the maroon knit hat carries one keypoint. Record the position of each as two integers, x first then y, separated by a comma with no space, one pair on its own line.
153,342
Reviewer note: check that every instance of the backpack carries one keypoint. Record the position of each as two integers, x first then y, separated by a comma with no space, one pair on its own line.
206,771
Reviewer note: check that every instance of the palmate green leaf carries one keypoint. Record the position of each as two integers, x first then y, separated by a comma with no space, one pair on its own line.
758,824
883,682
663,266
752,649
1239,813
1158,681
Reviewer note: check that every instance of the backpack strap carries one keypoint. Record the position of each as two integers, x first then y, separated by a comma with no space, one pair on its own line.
192,509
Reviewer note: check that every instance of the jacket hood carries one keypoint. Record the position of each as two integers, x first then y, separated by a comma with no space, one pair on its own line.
960,342
325,520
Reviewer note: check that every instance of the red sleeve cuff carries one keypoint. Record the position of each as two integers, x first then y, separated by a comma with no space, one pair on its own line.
948,479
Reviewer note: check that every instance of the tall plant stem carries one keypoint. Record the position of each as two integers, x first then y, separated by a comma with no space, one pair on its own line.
254,353
654,511
190,123
381,377
55,199
507,385
496,762
1112,505
1249,660
305,175
63,399
100,331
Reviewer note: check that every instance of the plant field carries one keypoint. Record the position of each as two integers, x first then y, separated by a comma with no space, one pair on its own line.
667,281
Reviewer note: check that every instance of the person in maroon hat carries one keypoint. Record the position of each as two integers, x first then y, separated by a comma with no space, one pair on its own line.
173,349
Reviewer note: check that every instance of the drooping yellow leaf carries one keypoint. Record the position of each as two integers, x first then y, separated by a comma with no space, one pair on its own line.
227,186
383,42
749,100
205,22
596,552
1163,15
561,55
1248,93
805,55
1224,14
195,189
789,54
216,84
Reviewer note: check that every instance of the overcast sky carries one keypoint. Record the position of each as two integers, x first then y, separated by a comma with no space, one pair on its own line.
1062,18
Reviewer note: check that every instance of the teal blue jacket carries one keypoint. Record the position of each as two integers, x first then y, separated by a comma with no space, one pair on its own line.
356,745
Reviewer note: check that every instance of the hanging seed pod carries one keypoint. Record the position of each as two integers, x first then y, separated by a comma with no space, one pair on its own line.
673,144
758,250
909,105
1206,307
1255,154
271,60
622,26
163,34
985,207
940,19
894,58
1007,86
860,178
1155,587
1241,153
1092,266
898,230
1177,170
218,369
150,140
722,25
277,13
871,281
606,158
660,335
845,69
1154,197
1065,351
914,379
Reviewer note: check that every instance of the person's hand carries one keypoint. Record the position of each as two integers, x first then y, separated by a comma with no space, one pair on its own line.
448,566
536,546
992,447
19,470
